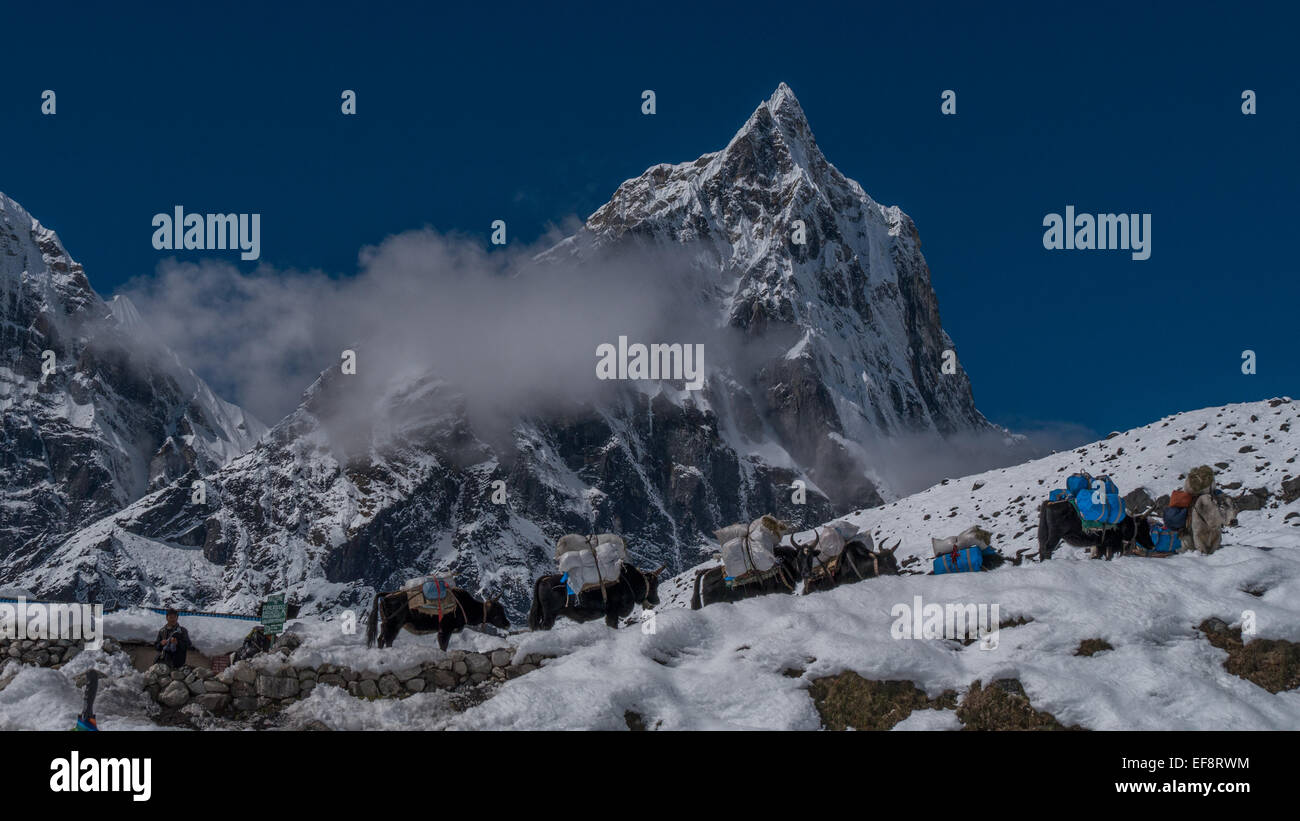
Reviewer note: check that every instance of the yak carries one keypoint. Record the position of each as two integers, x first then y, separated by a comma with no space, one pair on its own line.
551,598
391,611
856,562
1060,521
792,565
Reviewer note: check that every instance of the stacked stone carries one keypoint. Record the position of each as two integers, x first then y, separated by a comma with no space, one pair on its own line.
245,687
53,653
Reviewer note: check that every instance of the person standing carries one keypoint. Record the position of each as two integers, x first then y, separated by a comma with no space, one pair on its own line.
173,641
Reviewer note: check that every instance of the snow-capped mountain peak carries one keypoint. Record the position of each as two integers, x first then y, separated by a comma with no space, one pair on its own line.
116,415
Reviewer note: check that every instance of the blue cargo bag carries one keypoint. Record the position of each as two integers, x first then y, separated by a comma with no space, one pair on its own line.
1101,502
1175,517
1164,539
965,560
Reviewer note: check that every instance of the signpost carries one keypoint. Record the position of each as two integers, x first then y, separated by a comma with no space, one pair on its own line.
273,614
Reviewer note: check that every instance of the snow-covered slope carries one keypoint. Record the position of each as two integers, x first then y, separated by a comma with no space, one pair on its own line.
752,665
748,665
1252,447
118,415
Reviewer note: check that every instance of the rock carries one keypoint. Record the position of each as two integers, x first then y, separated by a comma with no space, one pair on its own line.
214,702
1138,500
369,675
477,678
1290,490
415,685
212,685
333,679
241,688
500,658
244,704
514,671
277,687
307,674
389,686
444,680
158,671
287,641
1251,500
460,668
408,673
367,688
244,672
478,663
195,687
179,674
306,687
175,695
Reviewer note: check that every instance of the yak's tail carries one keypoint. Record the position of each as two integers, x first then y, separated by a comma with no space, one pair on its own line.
372,623
535,611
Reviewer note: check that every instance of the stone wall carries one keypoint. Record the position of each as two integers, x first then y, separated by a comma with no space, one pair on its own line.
52,653
268,683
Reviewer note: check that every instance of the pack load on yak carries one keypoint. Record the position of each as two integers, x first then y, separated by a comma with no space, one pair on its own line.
590,563
1197,513
1097,500
963,553
430,595
828,549
749,551
1164,539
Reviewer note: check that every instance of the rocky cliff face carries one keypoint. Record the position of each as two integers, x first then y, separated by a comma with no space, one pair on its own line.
843,349
109,418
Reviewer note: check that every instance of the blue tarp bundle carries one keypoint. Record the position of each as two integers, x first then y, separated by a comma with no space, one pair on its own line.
965,560
1097,500
1164,539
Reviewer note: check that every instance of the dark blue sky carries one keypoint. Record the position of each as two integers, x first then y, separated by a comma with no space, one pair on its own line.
532,114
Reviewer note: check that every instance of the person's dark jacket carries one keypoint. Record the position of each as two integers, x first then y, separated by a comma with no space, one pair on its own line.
173,655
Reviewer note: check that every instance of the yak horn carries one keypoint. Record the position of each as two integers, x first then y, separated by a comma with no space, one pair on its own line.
660,569
890,550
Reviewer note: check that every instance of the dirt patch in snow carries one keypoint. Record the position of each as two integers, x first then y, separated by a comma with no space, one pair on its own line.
1003,705
1091,647
1273,664
848,700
